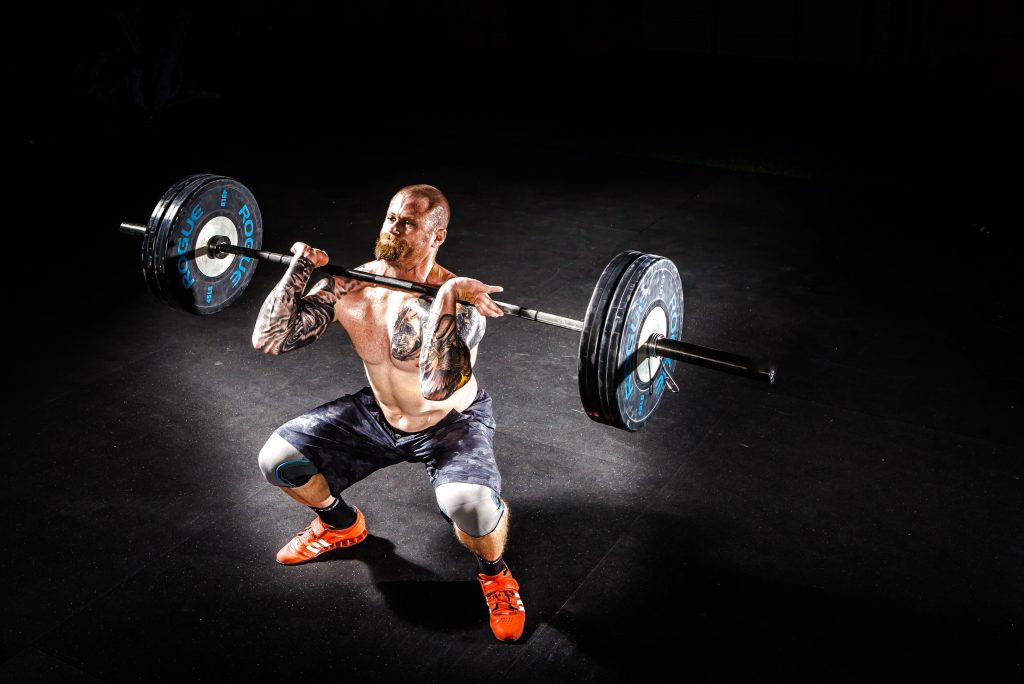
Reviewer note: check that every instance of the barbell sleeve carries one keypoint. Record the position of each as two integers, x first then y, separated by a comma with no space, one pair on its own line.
659,345
129,228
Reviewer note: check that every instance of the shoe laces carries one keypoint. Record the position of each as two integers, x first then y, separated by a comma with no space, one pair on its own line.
503,601
306,535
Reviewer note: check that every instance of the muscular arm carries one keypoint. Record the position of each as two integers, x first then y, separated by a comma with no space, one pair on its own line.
288,320
449,334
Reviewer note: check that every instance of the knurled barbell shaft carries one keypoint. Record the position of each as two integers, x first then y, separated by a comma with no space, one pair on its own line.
397,283
659,346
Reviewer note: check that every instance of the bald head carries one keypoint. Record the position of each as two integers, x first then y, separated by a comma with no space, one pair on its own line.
415,226
437,212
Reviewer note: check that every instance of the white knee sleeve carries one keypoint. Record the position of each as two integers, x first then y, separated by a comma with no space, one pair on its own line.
283,465
475,509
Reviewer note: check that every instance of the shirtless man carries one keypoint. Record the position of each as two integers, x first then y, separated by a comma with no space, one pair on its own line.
423,405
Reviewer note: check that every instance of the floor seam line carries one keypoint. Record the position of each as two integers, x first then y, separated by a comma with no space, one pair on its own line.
69,664
696,193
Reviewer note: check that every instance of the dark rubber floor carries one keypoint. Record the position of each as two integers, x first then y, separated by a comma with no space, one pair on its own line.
860,520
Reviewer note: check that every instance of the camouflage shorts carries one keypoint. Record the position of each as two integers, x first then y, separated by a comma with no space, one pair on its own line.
348,439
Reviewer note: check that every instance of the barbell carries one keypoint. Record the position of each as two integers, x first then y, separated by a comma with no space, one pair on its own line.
203,240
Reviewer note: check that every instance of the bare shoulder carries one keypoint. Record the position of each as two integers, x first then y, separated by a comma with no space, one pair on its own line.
442,274
370,267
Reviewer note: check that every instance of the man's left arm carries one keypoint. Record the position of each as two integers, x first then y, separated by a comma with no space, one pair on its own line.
450,333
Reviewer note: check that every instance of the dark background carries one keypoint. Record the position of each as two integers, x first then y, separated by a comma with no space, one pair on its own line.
915,100
917,95
872,146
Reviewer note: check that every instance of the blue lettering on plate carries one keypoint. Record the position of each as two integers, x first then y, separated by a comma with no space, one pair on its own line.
236,275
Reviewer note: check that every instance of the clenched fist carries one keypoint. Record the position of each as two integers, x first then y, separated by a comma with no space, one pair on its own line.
317,256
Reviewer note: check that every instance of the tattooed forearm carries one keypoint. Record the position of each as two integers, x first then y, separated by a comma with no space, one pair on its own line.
445,361
288,320
471,325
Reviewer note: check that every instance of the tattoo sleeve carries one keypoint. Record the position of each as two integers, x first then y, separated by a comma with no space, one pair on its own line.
289,320
449,333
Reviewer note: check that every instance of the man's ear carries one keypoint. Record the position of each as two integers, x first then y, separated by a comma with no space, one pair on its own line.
439,235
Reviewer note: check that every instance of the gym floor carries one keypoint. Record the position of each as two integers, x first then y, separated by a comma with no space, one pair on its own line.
860,520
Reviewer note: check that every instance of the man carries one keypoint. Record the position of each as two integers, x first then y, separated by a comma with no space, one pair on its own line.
423,404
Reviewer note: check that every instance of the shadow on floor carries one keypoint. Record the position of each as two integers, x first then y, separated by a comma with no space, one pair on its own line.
414,593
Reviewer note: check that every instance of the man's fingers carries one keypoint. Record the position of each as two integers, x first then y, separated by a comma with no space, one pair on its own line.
317,256
489,307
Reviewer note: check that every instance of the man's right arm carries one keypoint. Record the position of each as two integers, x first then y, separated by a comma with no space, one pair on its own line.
288,320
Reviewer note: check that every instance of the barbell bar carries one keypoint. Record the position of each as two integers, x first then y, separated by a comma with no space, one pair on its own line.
663,347
627,342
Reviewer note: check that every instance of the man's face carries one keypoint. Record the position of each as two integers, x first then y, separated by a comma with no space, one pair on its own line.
407,230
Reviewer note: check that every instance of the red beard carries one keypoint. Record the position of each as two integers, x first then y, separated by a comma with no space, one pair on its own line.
390,248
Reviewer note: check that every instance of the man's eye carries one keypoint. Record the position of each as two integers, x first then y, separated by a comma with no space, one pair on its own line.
408,223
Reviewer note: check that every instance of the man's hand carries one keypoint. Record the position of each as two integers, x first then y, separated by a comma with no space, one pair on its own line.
317,256
476,293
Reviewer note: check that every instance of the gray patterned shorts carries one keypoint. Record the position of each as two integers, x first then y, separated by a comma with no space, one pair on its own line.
348,439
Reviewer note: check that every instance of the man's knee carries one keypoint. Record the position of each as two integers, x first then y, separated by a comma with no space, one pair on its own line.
283,465
475,509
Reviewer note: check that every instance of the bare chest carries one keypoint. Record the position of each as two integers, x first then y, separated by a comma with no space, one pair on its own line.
387,327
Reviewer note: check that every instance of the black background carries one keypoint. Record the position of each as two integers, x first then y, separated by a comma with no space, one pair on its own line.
915,98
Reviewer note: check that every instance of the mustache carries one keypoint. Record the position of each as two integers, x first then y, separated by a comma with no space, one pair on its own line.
389,248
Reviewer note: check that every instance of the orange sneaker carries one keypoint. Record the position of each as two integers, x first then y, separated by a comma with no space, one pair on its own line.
318,538
508,615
